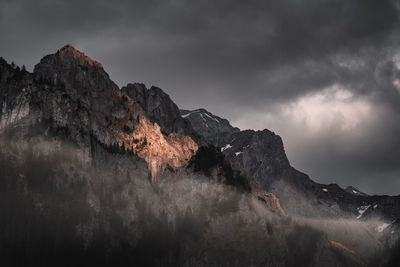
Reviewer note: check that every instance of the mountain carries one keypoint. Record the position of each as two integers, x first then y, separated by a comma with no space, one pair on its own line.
262,156
94,174
75,94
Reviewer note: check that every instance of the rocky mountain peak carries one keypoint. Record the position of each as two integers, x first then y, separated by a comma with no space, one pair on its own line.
69,51
72,93
215,130
71,70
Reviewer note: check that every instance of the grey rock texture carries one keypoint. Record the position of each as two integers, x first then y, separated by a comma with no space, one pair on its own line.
260,153
15,93
215,130
70,89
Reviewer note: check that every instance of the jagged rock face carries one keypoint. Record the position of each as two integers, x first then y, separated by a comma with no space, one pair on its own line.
215,130
73,93
161,109
260,153
15,87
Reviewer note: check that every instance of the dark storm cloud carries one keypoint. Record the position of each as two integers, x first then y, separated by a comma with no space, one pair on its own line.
242,60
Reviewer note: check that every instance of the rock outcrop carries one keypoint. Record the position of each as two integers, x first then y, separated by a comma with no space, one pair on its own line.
270,200
215,130
15,88
260,153
74,94
162,110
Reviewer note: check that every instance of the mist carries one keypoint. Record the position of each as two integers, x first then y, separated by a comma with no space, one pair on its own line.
103,207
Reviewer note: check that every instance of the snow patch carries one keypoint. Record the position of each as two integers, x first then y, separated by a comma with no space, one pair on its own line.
226,147
324,189
375,206
361,210
238,153
201,115
381,227
190,113
355,192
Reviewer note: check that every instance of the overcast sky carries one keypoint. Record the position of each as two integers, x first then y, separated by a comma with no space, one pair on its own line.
325,75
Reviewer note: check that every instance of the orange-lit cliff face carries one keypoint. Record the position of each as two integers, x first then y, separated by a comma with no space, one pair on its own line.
69,51
75,92
134,131
270,200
